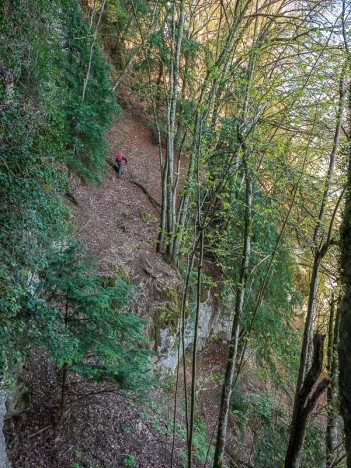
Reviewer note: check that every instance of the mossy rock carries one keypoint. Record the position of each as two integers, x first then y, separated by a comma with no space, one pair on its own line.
166,317
205,293
119,271
20,399
169,294
156,337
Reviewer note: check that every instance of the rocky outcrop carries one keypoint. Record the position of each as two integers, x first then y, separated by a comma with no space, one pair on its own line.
158,299
213,320
4,461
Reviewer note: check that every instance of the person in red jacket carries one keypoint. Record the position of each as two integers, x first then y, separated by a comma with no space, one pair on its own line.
119,160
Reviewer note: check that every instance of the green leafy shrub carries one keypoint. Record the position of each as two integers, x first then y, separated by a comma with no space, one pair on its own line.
88,117
268,422
129,461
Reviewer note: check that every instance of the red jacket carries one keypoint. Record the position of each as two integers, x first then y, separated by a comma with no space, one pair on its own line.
120,158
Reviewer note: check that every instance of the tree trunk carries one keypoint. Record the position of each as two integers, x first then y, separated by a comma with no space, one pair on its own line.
184,204
319,253
332,391
163,224
344,347
169,193
86,79
175,222
306,401
194,355
308,330
345,330
64,376
233,347
63,396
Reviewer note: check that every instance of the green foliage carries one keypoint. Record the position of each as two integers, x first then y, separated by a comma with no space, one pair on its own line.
45,125
126,428
272,332
272,441
144,217
31,215
313,453
87,117
268,421
93,335
254,410
163,424
129,461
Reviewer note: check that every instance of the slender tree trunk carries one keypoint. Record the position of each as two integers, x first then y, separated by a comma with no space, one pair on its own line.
319,253
194,355
170,196
86,79
64,376
233,347
181,345
311,308
344,348
306,401
172,101
184,204
163,224
332,391
307,344
63,393
345,325
159,88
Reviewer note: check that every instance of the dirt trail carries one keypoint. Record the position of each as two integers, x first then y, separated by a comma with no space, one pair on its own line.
118,212
117,220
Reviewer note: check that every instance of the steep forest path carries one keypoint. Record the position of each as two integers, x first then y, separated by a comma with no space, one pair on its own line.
119,223
118,213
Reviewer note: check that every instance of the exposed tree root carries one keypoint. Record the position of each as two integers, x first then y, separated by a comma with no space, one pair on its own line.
153,201
71,198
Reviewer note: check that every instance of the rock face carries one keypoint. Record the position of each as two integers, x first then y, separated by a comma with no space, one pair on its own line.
4,461
158,300
213,319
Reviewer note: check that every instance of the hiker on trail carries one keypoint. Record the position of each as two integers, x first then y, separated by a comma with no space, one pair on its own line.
119,160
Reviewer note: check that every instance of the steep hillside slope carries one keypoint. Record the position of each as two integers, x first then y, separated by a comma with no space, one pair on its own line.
119,225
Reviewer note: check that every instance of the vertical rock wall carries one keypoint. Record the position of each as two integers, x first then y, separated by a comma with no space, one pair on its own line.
212,320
